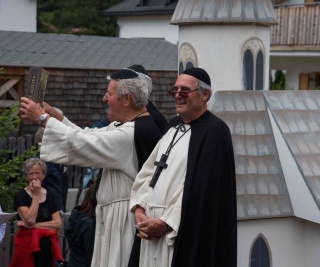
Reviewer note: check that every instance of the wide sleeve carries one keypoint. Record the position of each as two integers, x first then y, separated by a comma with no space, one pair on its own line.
172,215
108,147
141,188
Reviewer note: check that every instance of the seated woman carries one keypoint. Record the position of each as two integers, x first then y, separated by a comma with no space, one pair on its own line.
36,241
80,230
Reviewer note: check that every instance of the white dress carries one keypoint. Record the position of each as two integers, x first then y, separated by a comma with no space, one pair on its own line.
111,148
164,200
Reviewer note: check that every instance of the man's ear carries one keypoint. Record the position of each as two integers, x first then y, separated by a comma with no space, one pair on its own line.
205,95
127,99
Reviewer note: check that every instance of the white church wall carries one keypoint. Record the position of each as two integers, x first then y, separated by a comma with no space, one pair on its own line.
18,15
148,27
292,242
294,65
219,51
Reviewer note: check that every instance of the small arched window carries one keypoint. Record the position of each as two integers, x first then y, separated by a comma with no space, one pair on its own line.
248,70
260,256
259,71
187,57
253,65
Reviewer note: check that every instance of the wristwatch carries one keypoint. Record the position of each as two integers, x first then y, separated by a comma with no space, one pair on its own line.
42,118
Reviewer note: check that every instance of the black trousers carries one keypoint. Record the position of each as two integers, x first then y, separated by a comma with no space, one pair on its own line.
44,257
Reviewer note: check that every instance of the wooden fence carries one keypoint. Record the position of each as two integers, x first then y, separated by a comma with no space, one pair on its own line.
18,145
298,26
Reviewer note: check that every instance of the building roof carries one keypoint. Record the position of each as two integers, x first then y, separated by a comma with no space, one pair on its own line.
85,52
258,12
133,7
277,151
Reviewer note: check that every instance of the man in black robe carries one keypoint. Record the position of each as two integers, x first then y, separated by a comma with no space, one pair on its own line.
200,227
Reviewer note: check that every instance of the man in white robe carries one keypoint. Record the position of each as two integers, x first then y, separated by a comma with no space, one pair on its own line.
111,148
185,206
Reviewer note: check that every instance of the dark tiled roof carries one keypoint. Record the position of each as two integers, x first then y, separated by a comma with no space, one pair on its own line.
132,7
85,52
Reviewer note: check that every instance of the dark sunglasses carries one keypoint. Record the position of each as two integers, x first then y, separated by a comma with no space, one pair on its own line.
184,94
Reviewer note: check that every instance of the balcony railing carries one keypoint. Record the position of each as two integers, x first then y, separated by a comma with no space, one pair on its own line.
298,28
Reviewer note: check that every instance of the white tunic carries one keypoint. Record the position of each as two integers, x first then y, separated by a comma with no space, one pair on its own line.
111,148
164,200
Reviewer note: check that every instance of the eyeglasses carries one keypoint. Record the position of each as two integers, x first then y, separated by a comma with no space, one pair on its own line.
184,94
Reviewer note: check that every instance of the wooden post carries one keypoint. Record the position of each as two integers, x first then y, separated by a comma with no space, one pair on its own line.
304,81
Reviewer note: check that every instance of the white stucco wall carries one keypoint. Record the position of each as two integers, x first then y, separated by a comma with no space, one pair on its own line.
18,15
219,51
292,242
148,27
294,65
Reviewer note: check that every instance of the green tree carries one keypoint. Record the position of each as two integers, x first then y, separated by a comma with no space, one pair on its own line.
279,81
77,17
11,179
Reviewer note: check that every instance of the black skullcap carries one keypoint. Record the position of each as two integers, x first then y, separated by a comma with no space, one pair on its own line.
124,74
199,74
138,68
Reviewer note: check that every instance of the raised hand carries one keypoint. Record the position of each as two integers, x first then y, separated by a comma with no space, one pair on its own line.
30,110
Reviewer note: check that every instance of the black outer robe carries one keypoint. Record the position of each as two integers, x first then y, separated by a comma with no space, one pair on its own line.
207,234
208,228
157,116
146,136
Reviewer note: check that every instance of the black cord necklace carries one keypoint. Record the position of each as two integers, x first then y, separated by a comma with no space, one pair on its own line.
139,115
120,123
161,164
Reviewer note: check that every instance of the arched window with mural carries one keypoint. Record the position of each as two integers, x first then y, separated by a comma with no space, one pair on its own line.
187,57
253,64
260,254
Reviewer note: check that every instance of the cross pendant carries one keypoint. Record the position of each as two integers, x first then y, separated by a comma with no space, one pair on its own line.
161,164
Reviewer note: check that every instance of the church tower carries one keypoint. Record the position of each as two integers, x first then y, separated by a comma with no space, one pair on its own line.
230,39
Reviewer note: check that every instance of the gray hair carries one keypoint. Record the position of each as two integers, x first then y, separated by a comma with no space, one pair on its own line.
29,163
202,87
149,82
137,88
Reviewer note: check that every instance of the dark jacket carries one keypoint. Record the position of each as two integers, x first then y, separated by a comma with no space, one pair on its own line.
78,230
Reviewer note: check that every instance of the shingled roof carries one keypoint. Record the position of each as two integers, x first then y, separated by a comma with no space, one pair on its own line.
85,52
277,151
133,7
258,12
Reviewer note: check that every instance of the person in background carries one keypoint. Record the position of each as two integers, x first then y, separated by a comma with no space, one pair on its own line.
184,197
117,148
79,227
36,241
2,229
